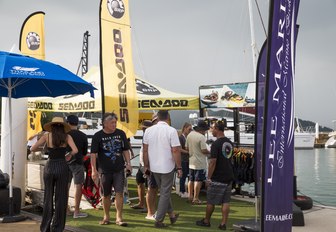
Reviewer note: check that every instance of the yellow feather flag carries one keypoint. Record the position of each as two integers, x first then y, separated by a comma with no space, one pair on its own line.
116,65
32,42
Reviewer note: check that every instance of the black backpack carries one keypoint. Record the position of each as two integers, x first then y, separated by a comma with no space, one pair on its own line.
4,179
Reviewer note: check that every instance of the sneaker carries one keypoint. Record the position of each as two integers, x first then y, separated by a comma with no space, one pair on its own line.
80,215
150,217
184,195
222,227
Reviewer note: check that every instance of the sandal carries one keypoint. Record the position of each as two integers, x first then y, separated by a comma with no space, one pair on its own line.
136,207
121,223
203,223
104,222
197,202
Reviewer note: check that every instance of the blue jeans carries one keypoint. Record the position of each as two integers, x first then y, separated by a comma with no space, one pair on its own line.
185,173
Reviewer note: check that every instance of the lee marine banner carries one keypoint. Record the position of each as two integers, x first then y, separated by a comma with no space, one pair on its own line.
116,65
278,130
32,41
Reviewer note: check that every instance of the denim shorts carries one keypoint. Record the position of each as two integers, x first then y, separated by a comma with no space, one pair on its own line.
196,175
218,193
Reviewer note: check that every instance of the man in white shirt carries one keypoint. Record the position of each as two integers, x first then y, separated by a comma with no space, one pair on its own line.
161,150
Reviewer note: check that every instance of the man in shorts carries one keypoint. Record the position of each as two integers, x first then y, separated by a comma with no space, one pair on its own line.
111,147
220,176
76,165
198,151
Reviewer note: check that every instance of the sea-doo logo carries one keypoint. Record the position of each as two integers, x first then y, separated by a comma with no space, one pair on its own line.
116,8
143,87
25,71
122,77
40,105
162,104
33,41
85,105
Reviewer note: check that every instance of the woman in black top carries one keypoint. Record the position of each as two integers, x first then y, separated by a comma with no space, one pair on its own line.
55,174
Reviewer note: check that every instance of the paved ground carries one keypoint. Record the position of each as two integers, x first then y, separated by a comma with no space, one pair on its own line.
31,224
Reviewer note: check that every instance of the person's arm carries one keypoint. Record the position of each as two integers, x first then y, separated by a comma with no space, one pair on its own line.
211,167
177,157
126,154
72,145
94,173
39,143
145,157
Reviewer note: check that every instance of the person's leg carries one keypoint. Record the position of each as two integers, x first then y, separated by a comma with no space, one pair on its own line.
225,212
106,207
61,196
119,203
118,185
140,180
106,187
141,194
208,212
78,176
151,195
165,183
191,184
48,210
185,171
197,189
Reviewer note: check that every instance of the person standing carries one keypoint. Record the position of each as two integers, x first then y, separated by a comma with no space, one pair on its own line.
55,173
220,176
111,147
152,189
76,164
186,129
198,151
161,148
140,179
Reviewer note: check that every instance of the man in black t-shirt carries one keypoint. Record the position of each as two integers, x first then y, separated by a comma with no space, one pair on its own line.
111,147
76,163
220,176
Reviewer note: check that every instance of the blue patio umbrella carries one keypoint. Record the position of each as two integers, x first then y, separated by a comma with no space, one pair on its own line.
24,76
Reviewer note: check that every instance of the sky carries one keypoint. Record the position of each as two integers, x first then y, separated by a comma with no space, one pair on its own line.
181,45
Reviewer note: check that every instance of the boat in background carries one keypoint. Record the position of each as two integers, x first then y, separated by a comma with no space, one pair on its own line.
331,142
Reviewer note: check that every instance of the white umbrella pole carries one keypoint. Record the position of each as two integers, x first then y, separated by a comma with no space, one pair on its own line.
10,149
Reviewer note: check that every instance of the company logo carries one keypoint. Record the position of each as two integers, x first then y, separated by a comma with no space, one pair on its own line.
33,41
18,68
25,71
143,87
162,103
116,8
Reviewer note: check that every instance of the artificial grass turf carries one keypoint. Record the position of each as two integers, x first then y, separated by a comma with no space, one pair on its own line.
189,214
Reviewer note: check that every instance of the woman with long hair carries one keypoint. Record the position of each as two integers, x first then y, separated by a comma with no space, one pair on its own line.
56,173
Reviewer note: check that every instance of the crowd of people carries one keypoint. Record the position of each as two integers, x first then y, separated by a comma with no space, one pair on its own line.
164,155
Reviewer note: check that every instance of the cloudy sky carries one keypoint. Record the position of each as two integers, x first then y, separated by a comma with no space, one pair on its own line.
181,45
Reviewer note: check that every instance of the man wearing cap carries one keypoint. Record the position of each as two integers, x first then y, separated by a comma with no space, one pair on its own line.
76,163
220,176
111,147
161,149
197,147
